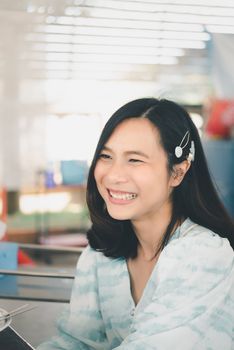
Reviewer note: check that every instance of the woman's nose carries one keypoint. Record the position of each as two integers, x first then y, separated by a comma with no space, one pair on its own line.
117,174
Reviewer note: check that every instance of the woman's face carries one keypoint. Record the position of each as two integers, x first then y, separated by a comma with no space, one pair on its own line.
131,173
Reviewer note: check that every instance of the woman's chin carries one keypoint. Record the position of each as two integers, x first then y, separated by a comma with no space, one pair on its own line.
118,215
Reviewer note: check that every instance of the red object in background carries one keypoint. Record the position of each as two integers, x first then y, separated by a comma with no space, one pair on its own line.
3,199
24,259
221,119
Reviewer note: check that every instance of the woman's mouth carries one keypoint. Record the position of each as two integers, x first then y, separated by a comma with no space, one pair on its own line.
120,195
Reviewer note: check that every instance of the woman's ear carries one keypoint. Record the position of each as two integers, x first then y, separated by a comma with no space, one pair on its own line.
179,172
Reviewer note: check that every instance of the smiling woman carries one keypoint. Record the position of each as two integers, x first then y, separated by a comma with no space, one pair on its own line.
131,173
158,231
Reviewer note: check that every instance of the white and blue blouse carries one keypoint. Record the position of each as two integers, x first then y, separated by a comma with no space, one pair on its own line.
187,304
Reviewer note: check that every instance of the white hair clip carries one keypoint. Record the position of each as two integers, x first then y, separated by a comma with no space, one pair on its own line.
179,149
191,155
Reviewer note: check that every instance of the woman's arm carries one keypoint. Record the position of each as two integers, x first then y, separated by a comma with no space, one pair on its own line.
81,326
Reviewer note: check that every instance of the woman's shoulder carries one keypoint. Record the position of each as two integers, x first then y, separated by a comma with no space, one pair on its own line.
196,242
190,230
91,256
88,255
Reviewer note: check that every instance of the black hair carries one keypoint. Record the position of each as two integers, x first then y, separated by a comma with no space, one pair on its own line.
195,198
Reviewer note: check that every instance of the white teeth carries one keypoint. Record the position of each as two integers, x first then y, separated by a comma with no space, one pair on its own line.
123,196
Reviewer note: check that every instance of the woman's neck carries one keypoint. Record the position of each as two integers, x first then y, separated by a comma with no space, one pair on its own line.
150,233
150,239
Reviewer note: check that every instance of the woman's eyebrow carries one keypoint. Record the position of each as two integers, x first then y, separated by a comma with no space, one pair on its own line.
105,148
135,152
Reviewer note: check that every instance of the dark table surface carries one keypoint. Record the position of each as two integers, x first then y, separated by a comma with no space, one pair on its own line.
36,325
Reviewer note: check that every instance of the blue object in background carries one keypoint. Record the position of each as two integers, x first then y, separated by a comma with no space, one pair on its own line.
74,172
220,158
8,261
8,256
49,179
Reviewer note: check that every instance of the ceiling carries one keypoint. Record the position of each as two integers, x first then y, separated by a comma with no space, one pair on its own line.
111,40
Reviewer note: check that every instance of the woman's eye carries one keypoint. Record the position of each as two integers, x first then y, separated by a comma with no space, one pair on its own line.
133,160
104,156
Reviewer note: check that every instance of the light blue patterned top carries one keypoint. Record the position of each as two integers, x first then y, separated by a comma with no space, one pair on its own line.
187,304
